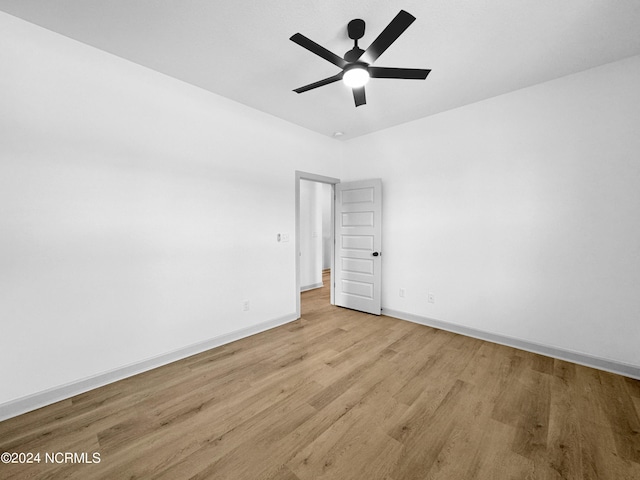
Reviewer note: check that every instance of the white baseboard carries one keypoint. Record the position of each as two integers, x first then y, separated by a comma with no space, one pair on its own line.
22,405
37,400
311,287
613,366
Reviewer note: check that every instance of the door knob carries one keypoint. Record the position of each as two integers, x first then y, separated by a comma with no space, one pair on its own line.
375,254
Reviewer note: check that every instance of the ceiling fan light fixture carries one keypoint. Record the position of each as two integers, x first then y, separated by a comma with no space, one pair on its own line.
355,75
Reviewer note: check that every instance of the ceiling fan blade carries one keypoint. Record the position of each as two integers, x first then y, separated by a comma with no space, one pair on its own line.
319,83
389,35
359,96
319,50
405,73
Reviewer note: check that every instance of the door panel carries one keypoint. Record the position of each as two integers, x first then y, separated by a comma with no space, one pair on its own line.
355,265
357,242
358,228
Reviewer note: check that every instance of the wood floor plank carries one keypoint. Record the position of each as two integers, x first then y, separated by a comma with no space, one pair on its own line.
564,444
339,394
352,447
533,423
494,457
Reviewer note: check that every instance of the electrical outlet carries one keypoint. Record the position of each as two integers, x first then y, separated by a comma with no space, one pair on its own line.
401,293
246,305
431,297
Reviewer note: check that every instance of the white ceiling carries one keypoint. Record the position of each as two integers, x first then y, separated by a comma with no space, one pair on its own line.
240,49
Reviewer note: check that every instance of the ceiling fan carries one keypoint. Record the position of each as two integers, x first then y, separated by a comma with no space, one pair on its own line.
356,64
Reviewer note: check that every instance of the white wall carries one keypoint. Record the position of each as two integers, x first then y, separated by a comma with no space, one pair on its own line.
315,232
310,234
327,193
136,212
520,213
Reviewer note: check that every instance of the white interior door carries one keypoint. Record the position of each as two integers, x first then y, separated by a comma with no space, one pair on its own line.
358,229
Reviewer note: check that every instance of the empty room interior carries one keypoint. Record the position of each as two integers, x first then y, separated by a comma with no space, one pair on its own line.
221,259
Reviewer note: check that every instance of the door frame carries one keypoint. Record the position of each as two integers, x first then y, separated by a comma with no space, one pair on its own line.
319,179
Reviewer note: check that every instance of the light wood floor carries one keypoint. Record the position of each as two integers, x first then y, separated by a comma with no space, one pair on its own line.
344,395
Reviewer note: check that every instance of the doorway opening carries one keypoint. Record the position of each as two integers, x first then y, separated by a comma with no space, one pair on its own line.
356,263
314,234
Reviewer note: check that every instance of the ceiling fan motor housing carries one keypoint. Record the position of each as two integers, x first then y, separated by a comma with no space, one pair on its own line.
354,54
355,65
